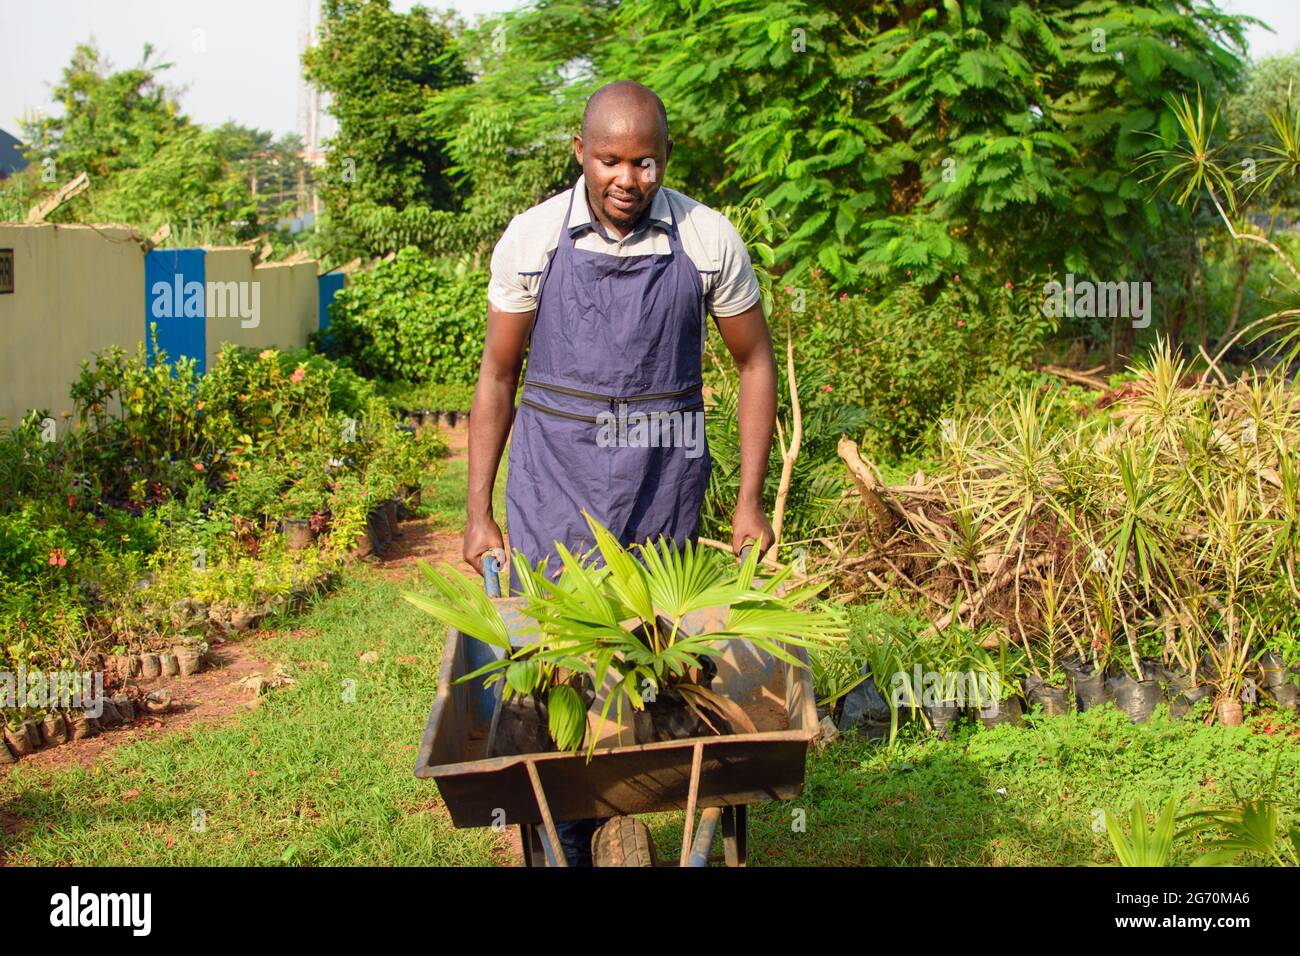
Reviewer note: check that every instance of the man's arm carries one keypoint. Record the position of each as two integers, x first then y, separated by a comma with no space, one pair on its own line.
490,419
750,344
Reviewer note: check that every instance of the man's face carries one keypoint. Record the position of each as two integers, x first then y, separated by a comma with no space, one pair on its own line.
623,159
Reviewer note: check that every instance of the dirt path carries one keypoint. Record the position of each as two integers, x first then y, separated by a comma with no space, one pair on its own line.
209,695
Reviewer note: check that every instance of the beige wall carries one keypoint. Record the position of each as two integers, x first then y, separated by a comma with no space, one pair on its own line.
79,289
286,299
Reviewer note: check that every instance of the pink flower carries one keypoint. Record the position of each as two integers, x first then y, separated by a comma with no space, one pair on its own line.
1008,285
961,323
956,278
817,272
56,558
856,350
266,354
826,388
787,288
298,374
843,296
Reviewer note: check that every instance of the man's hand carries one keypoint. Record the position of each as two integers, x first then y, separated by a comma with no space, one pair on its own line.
482,535
750,525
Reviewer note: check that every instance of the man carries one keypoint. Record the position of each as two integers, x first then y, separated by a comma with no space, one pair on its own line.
606,287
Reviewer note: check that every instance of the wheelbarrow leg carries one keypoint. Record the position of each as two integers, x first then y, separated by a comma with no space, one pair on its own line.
735,835
537,849
696,842
550,836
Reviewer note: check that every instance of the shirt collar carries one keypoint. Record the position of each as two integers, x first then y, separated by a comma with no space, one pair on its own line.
660,214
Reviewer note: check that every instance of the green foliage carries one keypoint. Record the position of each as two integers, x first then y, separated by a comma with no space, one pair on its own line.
925,141
387,166
112,121
510,132
412,318
148,164
1143,846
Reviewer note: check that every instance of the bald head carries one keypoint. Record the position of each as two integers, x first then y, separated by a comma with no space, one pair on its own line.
624,106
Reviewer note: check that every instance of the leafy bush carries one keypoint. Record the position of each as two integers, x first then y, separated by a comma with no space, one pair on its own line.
411,318
907,357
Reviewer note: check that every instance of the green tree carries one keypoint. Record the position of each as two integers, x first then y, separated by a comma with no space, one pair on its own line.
274,168
387,166
111,121
148,163
931,138
510,132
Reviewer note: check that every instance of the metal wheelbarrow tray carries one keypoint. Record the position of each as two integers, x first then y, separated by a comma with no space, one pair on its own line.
531,790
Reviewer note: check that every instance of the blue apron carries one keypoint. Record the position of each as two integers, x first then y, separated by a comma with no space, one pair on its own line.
614,336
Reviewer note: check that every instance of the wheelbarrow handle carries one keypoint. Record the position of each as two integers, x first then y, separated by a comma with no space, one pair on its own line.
492,573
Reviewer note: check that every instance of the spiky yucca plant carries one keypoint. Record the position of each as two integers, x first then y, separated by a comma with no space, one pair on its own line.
620,612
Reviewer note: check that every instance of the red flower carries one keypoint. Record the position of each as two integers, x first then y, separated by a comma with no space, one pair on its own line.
198,466
57,558
1008,285
826,388
843,296
817,272
72,501
961,324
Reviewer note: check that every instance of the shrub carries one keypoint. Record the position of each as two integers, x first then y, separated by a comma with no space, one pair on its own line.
905,357
412,318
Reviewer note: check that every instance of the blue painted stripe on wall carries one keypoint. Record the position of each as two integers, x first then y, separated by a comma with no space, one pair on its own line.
175,299
327,286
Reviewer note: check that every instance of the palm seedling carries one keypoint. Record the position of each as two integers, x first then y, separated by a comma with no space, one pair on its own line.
623,618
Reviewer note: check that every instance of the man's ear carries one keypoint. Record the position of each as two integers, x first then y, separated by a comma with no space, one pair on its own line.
577,147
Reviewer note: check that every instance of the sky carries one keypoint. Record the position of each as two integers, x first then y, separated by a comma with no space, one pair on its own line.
238,59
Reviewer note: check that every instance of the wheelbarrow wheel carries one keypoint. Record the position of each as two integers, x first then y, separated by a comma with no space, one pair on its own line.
623,841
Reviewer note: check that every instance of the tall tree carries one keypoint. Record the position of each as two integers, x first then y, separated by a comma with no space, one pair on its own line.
380,69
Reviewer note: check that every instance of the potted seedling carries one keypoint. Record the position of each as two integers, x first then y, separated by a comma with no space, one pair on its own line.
1045,682
380,486
620,616
1087,680
1137,694
300,503
999,700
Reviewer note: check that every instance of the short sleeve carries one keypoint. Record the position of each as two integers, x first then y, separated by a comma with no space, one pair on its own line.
736,288
507,291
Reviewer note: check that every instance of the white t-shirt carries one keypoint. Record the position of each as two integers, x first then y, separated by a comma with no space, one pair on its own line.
709,240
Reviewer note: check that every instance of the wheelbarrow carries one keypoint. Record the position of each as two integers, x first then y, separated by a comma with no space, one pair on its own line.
719,776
